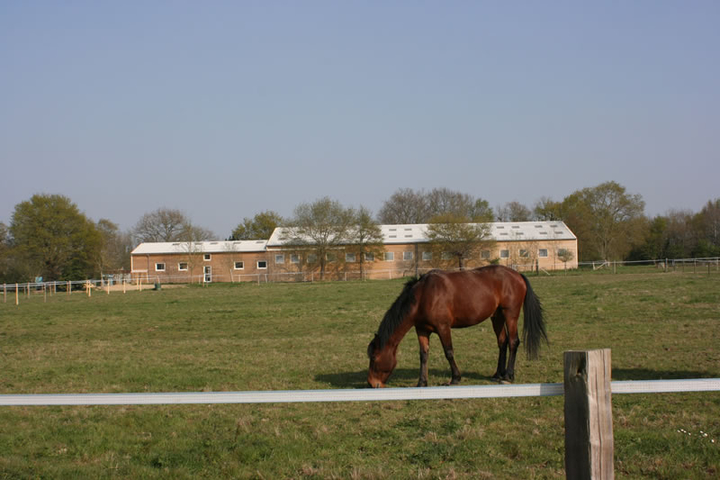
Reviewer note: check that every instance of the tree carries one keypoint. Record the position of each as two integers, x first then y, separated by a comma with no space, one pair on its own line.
513,212
547,210
261,226
455,236
320,228
168,225
409,207
365,238
404,207
5,259
707,226
54,239
481,212
607,220
115,249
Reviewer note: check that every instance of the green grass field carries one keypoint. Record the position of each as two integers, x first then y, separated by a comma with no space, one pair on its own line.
314,336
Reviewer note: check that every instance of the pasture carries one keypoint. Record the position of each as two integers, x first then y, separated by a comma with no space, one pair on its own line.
314,336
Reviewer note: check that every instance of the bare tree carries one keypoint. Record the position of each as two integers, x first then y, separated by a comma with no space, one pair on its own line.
168,225
404,206
115,249
513,212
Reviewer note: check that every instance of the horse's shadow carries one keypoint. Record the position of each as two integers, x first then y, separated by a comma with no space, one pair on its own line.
403,375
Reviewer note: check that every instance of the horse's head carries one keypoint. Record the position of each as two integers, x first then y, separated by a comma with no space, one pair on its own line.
382,363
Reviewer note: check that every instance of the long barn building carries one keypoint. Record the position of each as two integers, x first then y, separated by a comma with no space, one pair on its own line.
406,250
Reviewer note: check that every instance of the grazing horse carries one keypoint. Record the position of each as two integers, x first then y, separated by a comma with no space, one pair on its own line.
439,301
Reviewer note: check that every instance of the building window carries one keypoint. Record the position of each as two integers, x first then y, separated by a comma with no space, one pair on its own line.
369,257
280,258
331,257
407,256
294,258
504,253
389,256
446,256
427,256
312,258
524,253
262,264
159,267
239,266
485,254
543,253
182,266
350,257
207,257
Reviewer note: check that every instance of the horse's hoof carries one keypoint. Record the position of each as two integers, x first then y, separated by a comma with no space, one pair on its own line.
504,381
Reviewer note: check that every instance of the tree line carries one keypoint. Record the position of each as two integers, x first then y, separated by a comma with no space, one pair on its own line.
48,236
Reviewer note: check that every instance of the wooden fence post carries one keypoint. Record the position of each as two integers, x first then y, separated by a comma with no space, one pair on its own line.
588,415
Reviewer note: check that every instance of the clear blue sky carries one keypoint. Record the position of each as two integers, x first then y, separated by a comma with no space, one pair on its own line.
224,109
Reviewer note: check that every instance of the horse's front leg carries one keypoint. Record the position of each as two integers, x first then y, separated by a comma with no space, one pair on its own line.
424,340
446,340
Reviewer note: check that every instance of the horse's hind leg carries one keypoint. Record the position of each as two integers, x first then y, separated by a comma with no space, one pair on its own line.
424,339
446,340
511,320
498,321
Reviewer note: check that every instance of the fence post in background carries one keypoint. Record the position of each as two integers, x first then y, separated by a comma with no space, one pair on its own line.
588,415
4,293
17,295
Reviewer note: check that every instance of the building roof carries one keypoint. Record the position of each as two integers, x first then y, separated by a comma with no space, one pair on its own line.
392,235
200,247
500,231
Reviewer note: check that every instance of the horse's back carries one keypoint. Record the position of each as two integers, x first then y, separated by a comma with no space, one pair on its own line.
467,297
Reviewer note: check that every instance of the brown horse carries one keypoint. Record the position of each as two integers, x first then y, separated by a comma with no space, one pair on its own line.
439,301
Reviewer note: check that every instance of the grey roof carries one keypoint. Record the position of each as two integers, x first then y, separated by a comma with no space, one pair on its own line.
500,231
198,247
392,234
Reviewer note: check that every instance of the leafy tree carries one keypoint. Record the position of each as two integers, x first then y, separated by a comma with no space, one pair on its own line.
455,236
547,210
320,229
482,212
261,226
54,239
365,238
607,220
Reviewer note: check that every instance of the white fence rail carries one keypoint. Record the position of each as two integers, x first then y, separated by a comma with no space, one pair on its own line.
352,395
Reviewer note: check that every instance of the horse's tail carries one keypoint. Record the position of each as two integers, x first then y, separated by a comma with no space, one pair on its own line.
534,323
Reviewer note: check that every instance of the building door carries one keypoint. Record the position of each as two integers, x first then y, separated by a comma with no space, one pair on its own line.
207,274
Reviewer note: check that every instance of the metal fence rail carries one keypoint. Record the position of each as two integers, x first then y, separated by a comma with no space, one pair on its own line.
351,395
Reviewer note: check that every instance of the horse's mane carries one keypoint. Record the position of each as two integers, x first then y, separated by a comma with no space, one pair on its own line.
397,312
